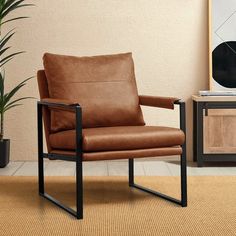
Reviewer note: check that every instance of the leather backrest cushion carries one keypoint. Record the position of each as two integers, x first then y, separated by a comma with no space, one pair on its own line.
104,86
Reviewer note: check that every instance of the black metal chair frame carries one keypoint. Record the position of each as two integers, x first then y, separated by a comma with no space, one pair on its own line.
78,213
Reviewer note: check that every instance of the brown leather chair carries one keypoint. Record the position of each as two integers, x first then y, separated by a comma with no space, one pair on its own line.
91,111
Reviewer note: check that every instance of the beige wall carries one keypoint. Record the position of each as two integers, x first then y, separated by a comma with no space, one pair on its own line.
168,39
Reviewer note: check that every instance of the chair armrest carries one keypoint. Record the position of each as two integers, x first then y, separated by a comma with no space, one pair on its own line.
60,104
162,102
166,102
66,106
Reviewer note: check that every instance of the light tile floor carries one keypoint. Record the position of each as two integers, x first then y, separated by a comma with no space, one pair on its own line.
119,168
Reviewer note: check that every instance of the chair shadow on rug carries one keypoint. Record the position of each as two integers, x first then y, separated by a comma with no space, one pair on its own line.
95,192
99,192
92,112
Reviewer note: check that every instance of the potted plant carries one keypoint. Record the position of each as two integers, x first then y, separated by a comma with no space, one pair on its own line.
7,100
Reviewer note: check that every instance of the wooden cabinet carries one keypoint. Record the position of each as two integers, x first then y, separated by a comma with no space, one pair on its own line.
214,129
219,128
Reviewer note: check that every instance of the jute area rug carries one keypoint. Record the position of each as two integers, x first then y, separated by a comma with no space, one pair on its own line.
112,208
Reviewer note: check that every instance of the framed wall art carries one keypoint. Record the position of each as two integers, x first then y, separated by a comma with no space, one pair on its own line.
222,45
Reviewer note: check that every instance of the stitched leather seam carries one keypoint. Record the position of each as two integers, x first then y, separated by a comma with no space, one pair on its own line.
71,82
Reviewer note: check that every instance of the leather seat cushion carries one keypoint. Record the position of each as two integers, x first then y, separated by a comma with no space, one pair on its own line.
119,138
104,86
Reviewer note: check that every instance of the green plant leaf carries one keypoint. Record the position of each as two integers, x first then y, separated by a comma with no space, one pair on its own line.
9,95
5,62
13,19
16,105
9,57
7,4
17,100
6,38
2,4
11,4
4,50
6,99
14,7
2,76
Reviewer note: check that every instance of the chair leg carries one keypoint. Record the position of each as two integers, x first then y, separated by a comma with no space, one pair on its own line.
183,171
40,151
79,175
183,201
41,175
131,172
79,189
79,192
79,165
